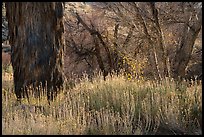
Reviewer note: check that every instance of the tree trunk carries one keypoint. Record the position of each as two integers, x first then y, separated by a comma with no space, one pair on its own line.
152,57
97,38
184,51
160,48
36,37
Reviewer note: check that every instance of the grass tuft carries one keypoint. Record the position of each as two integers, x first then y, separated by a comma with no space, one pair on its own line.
116,106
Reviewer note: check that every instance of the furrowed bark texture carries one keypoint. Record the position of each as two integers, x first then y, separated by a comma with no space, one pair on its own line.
37,43
184,51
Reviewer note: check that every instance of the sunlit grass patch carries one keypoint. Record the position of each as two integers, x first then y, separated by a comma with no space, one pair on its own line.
116,106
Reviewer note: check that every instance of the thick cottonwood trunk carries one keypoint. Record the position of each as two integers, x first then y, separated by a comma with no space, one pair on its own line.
184,51
36,36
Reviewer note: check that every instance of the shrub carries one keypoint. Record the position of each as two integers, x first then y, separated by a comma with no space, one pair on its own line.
115,106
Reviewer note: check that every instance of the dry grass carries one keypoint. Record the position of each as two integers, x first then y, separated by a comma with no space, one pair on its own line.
115,106
6,61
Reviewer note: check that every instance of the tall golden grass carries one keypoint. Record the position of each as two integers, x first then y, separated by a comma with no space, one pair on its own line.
116,106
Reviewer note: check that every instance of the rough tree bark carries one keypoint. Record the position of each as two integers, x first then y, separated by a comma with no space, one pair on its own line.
183,53
36,37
